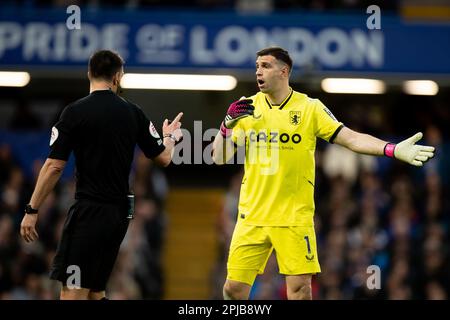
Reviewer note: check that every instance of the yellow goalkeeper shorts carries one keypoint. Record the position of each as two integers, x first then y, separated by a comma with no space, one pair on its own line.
251,246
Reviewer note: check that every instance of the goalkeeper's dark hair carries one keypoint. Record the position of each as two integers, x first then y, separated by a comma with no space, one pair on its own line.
104,64
278,53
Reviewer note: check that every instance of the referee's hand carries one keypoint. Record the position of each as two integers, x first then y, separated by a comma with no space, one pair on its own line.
174,127
28,228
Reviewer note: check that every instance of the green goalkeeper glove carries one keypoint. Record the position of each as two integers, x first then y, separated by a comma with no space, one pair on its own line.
409,151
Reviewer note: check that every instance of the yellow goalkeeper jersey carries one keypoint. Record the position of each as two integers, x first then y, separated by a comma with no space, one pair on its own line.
280,141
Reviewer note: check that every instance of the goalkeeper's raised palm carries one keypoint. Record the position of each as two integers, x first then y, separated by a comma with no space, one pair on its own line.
238,110
413,153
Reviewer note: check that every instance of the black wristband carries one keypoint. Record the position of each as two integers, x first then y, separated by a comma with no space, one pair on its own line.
30,210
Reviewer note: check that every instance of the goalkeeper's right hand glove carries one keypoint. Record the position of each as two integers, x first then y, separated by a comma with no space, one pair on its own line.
409,151
237,110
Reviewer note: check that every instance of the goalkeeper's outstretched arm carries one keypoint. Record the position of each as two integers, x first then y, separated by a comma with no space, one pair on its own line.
407,150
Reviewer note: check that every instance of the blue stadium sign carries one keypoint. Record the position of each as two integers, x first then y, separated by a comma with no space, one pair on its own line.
224,40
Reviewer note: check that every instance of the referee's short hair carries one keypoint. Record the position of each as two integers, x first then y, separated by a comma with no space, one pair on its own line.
104,64
278,53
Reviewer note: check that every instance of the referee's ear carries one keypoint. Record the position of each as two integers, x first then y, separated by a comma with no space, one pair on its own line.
116,78
89,76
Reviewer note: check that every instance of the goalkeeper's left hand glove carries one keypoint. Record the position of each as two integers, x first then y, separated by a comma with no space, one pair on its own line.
409,151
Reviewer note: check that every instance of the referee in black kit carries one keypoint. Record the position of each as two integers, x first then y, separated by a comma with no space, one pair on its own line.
102,129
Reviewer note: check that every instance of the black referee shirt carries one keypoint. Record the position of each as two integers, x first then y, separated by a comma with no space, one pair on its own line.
102,130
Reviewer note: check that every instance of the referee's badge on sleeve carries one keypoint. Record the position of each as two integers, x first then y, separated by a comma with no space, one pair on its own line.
329,113
153,131
54,135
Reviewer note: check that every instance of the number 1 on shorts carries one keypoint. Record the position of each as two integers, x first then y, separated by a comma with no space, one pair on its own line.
307,244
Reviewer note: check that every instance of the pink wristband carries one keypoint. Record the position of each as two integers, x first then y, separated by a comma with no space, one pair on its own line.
389,150
224,131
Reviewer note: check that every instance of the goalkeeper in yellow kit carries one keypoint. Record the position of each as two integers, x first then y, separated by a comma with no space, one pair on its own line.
278,128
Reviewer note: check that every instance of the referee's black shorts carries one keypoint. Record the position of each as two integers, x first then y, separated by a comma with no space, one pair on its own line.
91,238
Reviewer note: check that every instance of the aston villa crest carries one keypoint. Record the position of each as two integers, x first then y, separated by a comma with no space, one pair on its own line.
294,117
